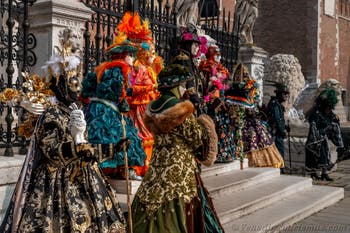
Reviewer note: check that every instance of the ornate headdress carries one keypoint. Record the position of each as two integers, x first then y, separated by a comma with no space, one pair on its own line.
67,61
121,44
212,51
244,89
189,35
137,31
327,97
172,76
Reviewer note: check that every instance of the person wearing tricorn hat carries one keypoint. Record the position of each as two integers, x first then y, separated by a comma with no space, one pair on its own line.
171,197
108,88
276,116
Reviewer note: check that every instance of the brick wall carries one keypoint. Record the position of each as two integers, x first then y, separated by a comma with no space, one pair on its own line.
328,52
344,45
289,27
229,5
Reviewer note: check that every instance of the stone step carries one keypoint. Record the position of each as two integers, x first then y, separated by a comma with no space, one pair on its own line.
5,195
10,167
120,185
207,172
1,216
122,198
287,211
232,206
219,168
237,180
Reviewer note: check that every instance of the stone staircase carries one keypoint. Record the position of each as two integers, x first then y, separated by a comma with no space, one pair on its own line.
249,200
257,199
262,200
10,168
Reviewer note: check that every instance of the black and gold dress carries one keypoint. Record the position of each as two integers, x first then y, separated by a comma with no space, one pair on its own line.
61,188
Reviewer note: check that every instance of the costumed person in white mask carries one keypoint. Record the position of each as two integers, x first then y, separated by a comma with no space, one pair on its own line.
189,46
61,188
215,75
143,80
171,197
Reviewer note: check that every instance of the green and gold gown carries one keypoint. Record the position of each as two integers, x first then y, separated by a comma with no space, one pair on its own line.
171,197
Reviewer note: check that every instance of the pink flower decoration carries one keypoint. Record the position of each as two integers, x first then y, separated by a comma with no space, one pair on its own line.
218,84
187,36
203,46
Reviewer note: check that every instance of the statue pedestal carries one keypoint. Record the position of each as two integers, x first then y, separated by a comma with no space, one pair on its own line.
254,58
306,98
298,136
50,17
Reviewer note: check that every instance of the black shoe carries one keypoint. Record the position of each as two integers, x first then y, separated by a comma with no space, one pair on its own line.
326,177
314,176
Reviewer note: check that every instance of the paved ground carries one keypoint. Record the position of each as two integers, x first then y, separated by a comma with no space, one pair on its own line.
335,218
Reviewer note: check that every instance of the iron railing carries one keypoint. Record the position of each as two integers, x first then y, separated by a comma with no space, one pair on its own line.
16,55
17,44
162,17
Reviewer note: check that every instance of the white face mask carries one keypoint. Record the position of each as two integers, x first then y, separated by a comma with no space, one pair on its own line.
129,60
217,58
151,59
197,61
182,90
194,49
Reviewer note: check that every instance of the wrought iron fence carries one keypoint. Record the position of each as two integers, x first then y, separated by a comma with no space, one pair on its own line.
162,18
16,55
17,44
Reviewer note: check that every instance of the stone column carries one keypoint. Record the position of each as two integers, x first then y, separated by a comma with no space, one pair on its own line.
48,18
254,58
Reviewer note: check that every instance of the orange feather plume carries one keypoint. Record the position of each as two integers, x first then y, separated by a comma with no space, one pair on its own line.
132,27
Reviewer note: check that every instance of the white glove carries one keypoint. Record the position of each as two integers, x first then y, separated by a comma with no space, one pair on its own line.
77,124
35,108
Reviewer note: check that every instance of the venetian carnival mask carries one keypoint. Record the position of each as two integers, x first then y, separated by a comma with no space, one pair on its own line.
217,58
194,49
66,88
151,58
129,60
74,87
182,90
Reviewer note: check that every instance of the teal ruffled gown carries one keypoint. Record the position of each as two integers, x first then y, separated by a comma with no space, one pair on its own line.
104,118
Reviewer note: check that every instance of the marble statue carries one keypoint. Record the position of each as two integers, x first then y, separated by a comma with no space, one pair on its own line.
285,68
246,12
187,11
